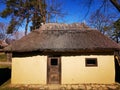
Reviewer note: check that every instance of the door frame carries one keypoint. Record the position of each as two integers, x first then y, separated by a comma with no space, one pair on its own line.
49,58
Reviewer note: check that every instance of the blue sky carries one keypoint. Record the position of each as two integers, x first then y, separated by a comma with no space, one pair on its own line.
76,10
2,6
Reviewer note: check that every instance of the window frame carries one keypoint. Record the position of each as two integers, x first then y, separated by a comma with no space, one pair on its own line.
91,65
54,63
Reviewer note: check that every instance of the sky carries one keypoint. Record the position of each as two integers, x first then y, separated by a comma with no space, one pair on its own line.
77,11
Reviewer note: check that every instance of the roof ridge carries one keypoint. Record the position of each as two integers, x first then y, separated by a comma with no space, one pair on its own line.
62,26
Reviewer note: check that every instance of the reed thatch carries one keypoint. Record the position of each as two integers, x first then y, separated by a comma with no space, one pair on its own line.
56,26
63,38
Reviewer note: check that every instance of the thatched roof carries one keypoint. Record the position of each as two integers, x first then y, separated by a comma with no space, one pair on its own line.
56,26
63,40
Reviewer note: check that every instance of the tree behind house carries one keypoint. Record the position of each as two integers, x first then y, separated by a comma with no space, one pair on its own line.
101,22
3,31
116,32
22,12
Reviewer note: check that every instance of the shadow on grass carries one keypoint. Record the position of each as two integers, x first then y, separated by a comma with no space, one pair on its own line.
5,74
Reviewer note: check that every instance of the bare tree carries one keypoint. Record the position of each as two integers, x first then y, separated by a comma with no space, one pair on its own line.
116,32
101,22
54,10
105,6
3,31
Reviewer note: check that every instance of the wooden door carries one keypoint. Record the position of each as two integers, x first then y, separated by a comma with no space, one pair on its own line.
54,70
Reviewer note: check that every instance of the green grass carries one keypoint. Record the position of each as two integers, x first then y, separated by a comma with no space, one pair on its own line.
5,66
3,57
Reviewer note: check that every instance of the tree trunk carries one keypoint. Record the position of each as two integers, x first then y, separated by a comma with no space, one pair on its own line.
26,26
42,8
117,40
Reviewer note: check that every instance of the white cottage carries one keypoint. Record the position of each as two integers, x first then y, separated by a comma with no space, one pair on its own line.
63,54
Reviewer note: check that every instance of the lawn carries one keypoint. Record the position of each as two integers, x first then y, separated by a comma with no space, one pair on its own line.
3,57
5,66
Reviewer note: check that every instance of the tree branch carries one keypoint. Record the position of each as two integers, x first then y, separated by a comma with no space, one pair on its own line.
116,4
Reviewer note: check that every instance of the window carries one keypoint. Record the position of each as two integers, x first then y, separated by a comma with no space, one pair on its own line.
89,62
54,61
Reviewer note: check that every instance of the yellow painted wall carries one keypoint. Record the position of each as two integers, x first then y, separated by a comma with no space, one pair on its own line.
29,70
33,70
74,70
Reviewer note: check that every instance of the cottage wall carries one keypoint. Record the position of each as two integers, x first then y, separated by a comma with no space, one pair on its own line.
29,70
74,70
33,70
